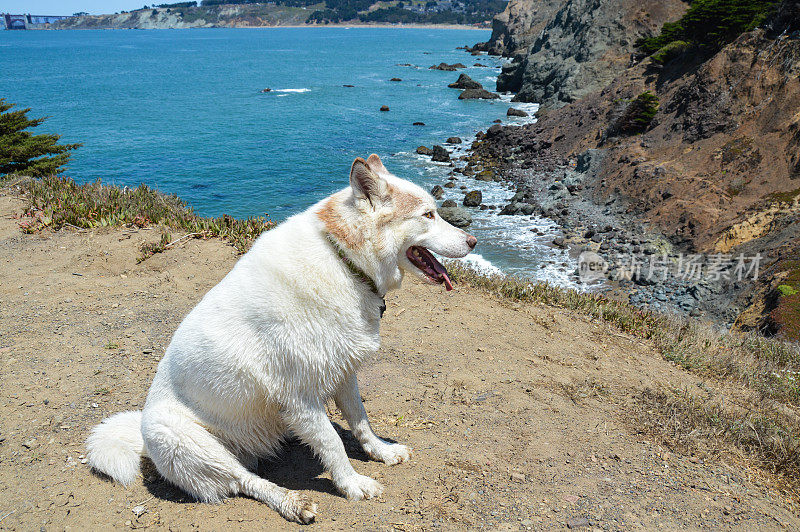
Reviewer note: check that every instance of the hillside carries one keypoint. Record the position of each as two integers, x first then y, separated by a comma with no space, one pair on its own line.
522,415
714,168
216,14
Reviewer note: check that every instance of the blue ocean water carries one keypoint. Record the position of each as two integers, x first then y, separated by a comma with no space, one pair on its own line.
183,111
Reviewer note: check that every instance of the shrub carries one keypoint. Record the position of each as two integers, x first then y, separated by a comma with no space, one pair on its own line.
637,116
669,52
24,153
711,24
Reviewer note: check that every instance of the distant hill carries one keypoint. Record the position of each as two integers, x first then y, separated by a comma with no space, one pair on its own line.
244,13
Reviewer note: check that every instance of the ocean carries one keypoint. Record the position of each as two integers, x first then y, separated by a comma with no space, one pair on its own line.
183,111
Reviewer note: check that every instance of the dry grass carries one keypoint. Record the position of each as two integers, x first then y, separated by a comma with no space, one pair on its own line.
764,427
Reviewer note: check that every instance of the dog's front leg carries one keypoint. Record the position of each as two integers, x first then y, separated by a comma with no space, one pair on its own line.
309,422
348,399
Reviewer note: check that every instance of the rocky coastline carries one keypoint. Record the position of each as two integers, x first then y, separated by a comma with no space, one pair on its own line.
696,213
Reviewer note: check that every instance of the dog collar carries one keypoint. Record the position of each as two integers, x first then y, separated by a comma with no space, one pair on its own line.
355,270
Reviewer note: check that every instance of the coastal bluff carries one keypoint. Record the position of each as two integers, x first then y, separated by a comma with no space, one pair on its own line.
521,416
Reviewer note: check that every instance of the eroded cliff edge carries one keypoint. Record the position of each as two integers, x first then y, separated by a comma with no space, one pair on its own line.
716,169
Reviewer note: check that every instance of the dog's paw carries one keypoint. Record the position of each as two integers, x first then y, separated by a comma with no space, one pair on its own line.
388,453
360,487
298,508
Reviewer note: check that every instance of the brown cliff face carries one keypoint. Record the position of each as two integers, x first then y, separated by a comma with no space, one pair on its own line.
718,168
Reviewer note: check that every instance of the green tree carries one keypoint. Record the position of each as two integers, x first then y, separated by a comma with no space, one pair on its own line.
22,152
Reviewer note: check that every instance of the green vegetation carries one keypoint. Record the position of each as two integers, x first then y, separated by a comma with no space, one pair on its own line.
178,5
56,201
637,116
667,53
711,24
22,152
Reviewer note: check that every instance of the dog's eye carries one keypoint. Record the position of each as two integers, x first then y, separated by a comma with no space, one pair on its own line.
429,214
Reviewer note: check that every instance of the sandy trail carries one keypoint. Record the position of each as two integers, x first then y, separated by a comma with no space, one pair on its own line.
517,413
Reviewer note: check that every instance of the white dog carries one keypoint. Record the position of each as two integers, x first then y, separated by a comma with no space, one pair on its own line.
281,334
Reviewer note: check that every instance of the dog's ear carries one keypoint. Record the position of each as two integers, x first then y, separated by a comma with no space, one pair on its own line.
376,165
367,184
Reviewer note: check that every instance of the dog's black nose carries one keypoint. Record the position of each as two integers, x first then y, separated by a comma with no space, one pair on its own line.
472,242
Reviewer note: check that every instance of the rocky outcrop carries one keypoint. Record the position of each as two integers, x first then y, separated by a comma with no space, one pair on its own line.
582,48
517,26
477,94
465,82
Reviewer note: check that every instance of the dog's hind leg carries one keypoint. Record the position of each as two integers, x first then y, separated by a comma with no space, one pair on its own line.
193,459
308,421
348,400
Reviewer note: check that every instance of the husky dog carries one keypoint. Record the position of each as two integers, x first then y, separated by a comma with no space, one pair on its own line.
281,334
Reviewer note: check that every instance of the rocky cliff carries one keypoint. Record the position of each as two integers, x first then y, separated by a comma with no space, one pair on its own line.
583,47
716,170
517,27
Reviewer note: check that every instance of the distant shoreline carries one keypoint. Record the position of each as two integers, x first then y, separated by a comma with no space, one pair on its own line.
279,26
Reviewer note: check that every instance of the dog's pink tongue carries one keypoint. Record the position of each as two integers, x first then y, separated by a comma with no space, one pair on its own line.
447,284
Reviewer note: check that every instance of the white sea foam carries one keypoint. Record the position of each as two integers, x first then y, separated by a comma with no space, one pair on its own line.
291,90
480,264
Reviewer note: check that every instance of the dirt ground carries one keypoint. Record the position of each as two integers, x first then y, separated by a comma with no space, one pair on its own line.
517,414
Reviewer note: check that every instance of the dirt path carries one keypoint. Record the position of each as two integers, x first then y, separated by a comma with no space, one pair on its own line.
516,413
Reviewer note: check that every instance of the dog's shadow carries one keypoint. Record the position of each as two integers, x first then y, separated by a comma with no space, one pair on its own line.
295,467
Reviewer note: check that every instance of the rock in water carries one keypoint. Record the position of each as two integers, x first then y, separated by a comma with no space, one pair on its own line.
453,140
473,198
266,90
440,155
456,216
485,175
418,124
395,79
384,108
477,94
424,150
465,82
446,67
449,203
515,112
437,192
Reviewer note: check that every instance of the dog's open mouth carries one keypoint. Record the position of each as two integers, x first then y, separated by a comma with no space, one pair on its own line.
427,263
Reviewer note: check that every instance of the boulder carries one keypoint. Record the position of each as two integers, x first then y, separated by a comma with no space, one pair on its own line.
456,216
485,175
446,67
395,79
480,65
440,155
477,94
437,192
465,82
449,203
424,150
516,112
449,185
512,208
384,108
418,124
453,140
348,85
473,198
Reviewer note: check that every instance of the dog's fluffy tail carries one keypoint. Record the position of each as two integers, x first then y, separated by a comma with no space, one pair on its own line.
115,446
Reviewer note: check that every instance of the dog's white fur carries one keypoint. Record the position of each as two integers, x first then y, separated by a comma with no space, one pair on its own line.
281,334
